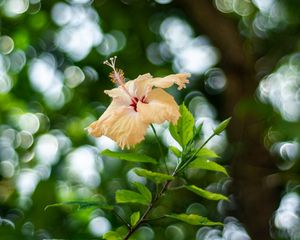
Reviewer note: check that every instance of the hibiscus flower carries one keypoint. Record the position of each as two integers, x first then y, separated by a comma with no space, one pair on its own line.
136,104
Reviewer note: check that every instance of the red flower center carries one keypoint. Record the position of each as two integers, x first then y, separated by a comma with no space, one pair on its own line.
135,100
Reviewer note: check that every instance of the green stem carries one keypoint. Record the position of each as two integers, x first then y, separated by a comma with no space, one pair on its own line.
160,147
149,208
122,219
194,154
154,219
176,188
165,186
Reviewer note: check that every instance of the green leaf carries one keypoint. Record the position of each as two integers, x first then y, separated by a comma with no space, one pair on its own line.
118,234
197,130
176,151
132,157
174,133
194,219
112,235
207,165
81,205
153,176
127,196
207,153
143,190
220,128
134,218
183,131
206,194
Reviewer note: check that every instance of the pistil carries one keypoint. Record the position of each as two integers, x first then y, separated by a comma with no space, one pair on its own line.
117,76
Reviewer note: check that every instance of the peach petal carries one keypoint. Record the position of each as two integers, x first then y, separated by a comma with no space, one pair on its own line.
119,95
126,124
123,125
161,107
180,79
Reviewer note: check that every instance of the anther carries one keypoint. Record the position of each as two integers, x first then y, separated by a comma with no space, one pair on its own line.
117,76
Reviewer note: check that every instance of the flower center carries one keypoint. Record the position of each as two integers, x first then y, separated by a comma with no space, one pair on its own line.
135,100
117,76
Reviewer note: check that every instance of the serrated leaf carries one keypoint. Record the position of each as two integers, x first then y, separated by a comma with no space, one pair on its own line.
143,190
207,165
194,219
128,196
206,194
153,176
207,153
134,218
81,205
183,131
176,151
132,157
220,128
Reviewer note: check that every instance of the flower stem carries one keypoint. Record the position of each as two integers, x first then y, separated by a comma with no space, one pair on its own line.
164,188
187,162
160,147
149,208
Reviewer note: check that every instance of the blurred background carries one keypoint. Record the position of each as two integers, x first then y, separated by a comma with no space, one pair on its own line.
245,62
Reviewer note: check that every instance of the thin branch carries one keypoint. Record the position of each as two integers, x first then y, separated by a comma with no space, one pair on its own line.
154,219
149,208
122,219
176,188
187,162
160,148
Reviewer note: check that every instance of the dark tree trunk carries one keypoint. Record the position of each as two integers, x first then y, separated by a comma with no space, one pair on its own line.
252,164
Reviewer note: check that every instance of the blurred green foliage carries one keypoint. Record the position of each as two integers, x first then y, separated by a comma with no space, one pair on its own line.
51,87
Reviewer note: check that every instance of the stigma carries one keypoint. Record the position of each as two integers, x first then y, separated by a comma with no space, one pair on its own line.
117,77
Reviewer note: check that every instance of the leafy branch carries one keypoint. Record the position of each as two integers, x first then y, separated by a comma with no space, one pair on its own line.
185,134
191,156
